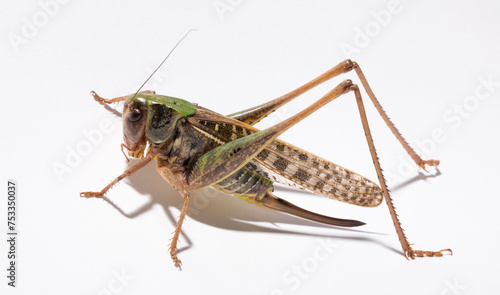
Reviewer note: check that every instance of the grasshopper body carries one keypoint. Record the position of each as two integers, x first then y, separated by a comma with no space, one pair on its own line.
196,148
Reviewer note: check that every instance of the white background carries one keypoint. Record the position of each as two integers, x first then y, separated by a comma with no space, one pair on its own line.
425,61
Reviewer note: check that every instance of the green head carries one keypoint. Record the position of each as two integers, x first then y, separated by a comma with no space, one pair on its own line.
151,117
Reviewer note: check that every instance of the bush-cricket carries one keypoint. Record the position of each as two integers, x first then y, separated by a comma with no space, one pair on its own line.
195,148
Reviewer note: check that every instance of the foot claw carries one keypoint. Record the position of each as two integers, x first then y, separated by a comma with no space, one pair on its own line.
419,253
95,95
429,163
92,194
177,261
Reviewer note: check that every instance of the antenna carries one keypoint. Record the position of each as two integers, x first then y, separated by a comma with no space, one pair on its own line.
162,62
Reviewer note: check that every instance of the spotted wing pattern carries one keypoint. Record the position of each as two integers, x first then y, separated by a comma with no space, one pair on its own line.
289,165
286,164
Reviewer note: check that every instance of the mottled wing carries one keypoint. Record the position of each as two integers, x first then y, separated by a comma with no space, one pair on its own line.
286,164
289,165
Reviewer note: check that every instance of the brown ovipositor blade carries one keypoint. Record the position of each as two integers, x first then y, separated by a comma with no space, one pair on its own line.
270,201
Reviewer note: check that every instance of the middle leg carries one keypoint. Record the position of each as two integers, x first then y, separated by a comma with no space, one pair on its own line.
170,177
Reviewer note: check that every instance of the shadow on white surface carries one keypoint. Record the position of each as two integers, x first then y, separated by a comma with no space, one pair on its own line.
227,212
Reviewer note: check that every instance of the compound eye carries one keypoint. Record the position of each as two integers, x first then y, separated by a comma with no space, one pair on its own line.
135,115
